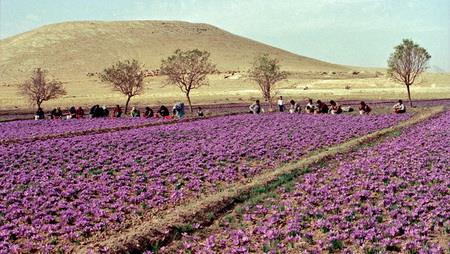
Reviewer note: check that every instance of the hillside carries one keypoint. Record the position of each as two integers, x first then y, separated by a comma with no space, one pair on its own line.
72,49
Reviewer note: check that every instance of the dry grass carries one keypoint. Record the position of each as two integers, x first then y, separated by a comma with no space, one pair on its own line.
89,92
71,50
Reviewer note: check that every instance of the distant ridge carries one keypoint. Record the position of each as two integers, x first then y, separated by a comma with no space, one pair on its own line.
72,49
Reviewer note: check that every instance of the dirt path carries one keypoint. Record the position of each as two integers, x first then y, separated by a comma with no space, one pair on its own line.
160,228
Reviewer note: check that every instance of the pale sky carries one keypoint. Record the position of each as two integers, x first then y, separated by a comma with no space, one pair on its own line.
350,32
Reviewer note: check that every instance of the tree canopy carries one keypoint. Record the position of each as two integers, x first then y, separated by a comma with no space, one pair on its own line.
38,89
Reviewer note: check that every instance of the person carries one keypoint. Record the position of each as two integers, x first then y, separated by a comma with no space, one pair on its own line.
72,113
79,113
399,107
148,113
321,108
92,111
310,107
163,111
105,111
256,108
280,104
178,109
295,107
135,112
335,109
117,112
364,109
39,114
200,112
56,113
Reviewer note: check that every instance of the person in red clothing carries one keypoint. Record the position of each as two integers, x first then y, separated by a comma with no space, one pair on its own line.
321,108
80,113
117,111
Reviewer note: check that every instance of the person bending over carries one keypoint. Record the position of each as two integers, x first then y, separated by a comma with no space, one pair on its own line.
399,108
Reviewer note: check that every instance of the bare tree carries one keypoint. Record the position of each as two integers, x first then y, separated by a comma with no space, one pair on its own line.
188,70
266,72
407,62
126,77
37,89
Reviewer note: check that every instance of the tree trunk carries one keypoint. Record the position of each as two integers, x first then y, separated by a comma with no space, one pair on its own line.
269,99
189,101
38,104
126,105
409,96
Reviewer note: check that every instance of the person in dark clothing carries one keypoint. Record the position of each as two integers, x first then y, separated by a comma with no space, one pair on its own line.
56,113
92,111
335,109
322,108
72,112
105,111
98,112
117,111
256,108
163,111
39,114
79,113
148,113
200,112
364,109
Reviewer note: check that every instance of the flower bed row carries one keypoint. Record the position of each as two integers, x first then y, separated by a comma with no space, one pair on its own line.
57,192
393,197
27,129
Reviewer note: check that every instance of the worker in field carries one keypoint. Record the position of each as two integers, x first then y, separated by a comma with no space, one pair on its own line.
56,113
117,112
364,109
399,108
280,104
148,113
256,108
72,113
178,109
294,107
310,107
163,111
321,108
39,114
335,109
105,111
80,113
135,112
200,112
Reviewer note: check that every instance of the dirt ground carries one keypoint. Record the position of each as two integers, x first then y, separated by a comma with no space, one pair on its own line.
325,86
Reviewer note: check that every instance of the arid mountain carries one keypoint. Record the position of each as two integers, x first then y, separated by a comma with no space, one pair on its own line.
71,50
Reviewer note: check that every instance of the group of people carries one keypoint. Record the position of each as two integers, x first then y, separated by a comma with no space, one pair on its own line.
178,111
321,108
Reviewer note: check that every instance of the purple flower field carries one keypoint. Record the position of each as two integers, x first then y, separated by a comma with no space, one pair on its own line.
392,197
58,192
30,128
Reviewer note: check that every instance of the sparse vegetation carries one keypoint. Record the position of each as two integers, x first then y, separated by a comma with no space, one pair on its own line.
188,70
38,89
266,72
126,77
406,63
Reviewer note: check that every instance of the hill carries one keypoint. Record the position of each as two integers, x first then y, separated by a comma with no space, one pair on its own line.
72,49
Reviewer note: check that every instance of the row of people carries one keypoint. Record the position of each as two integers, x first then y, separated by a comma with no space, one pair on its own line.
96,111
322,108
